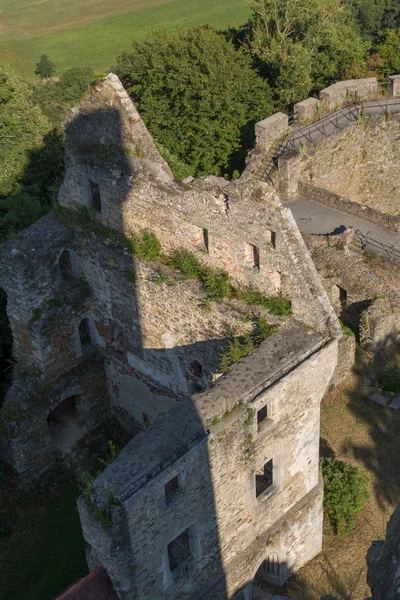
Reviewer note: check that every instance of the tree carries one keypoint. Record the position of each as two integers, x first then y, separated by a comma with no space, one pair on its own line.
75,83
198,95
45,68
22,127
302,45
374,16
388,48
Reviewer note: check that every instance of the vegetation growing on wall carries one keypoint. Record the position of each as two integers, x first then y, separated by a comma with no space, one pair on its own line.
243,345
218,285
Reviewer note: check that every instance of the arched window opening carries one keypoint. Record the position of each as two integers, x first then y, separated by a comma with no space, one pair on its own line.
65,264
6,340
196,369
85,334
64,425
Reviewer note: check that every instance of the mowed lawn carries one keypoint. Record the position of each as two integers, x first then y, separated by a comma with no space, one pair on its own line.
92,32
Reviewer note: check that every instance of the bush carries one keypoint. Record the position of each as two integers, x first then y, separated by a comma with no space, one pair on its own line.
187,263
216,283
242,346
146,245
390,380
278,306
345,493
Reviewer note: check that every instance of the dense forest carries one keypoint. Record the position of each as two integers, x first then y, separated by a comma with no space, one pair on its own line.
200,91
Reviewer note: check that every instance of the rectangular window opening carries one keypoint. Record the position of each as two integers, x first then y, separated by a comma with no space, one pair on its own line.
171,488
95,193
262,416
179,550
206,239
264,478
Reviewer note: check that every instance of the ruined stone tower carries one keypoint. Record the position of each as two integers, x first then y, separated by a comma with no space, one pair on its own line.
223,481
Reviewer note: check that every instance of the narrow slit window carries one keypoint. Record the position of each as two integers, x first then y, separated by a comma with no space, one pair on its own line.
95,194
85,334
273,239
342,296
264,478
65,265
256,258
206,239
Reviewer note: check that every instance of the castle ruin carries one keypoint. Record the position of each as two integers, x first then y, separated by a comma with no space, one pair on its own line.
220,488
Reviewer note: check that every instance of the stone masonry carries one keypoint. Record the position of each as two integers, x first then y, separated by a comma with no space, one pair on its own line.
222,485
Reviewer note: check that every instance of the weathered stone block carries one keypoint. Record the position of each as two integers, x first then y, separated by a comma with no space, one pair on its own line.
394,85
353,90
306,109
271,129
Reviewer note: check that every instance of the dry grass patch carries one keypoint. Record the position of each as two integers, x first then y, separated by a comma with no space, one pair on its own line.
354,429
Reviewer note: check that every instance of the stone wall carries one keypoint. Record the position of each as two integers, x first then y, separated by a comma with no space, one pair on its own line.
311,192
360,163
379,326
355,90
359,296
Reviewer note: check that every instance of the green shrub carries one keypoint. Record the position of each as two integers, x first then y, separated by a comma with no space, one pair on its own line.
390,380
278,305
345,493
242,346
236,350
216,283
187,263
146,245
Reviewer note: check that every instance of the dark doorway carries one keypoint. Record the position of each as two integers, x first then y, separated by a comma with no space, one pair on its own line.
64,426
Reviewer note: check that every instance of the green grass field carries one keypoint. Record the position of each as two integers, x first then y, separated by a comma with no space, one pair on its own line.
92,32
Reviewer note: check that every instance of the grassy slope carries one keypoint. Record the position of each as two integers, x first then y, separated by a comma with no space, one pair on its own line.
45,554
97,43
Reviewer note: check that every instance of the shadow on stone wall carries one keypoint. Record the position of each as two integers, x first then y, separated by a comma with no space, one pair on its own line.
164,372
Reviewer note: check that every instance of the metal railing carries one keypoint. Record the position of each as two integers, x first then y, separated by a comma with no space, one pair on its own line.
376,245
329,125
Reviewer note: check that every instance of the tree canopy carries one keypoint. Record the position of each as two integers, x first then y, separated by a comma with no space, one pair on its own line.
198,95
373,16
22,127
302,45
